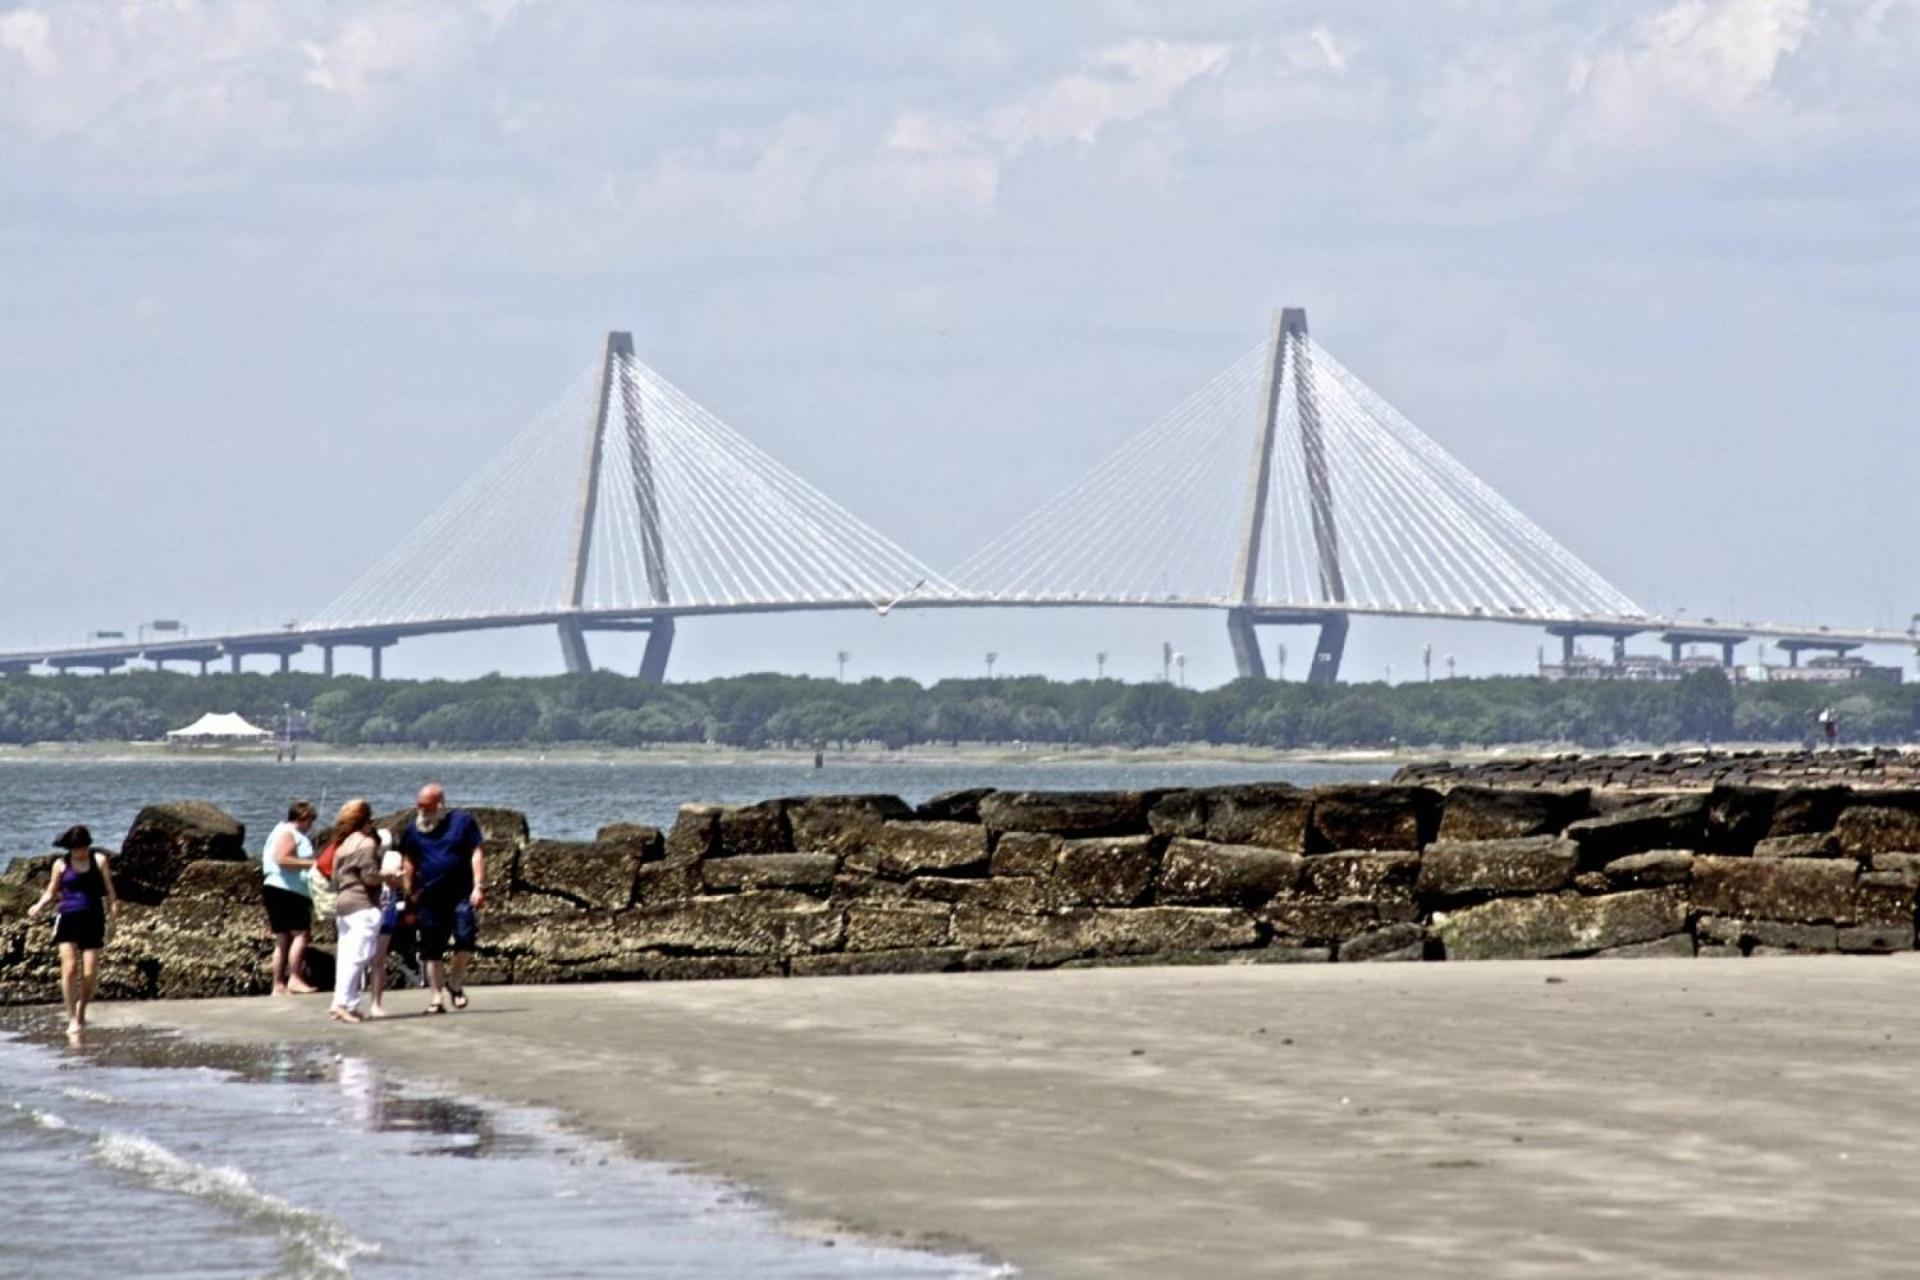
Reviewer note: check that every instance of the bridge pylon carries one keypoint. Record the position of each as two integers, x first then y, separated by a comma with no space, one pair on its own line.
1288,345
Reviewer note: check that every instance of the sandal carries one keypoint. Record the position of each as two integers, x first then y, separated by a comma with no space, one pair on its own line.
434,1006
459,995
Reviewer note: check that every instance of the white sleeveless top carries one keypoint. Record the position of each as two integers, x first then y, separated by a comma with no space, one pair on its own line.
278,876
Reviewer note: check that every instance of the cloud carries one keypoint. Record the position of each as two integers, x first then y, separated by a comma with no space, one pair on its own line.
1716,59
1114,85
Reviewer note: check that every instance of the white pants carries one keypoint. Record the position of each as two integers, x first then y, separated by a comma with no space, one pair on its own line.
358,930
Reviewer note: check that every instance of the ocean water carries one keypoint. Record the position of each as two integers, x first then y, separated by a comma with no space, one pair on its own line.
142,1156
563,799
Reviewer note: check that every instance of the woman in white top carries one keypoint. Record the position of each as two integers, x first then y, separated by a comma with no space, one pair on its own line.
284,863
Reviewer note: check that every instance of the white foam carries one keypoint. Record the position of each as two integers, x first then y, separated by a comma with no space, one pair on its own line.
89,1095
312,1243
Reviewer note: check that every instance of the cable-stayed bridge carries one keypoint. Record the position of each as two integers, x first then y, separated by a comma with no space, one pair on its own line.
1283,492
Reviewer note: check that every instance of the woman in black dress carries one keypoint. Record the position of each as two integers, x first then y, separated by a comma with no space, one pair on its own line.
83,886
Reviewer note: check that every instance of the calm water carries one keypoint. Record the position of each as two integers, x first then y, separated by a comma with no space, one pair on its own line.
308,1167
563,799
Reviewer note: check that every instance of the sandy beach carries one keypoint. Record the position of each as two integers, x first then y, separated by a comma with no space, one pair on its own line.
1518,1119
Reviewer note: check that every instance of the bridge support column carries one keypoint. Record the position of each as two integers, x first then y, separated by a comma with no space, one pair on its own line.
573,648
653,662
1247,658
374,651
1330,649
326,660
1674,650
1566,648
233,662
204,662
1726,655
286,662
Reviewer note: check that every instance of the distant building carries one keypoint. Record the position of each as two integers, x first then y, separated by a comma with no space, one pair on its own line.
1649,666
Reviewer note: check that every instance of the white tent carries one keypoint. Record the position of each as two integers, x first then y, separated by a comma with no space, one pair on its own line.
226,726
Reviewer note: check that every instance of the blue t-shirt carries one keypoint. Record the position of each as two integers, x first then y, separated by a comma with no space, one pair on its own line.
443,857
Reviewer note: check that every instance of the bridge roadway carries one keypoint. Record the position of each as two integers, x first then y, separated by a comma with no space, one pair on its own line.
376,637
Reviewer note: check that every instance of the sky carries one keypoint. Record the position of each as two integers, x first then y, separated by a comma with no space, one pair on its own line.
278,277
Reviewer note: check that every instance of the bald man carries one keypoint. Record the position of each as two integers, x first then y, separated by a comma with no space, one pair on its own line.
447,885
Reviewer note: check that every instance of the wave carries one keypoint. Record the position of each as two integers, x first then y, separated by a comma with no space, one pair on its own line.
89,1095
313,1245
33,1115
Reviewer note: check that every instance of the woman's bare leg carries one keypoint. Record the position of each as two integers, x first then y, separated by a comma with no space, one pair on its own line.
281,942
297,966
70,984
89,978
378,978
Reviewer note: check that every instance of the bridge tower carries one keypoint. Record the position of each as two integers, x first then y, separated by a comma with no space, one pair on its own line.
617,391
1289,344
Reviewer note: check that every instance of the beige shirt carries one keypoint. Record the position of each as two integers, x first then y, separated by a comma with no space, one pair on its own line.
356,874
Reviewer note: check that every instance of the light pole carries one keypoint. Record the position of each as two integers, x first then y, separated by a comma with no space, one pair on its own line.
1426,660
1180,661
992,658
1100,665
1280,668
1449,666
841,657
1389,675
1166,662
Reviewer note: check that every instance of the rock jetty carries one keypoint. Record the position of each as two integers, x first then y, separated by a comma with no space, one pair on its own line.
1449,869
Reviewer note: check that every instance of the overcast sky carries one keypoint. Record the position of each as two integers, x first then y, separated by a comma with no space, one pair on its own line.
274,276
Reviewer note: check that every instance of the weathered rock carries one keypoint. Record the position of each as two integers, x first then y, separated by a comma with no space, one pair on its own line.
1822,844
1381,877
1110,931
1559,924
1808,890
1801,811
1024,853
1179,813
804,871
1508,813
1864,829
1875,938
760,923
1066,813
1273,815
671,879
1194,872
749,829
840,824
165,838
855,964
695,833
1302,919
1649,870
1105,871
1883,898
1457,869
902,849
883,926
1736,817
954,806
1379,816
1019,895
590,875
1906,866
1669,822
648,842
1673,946
1394,942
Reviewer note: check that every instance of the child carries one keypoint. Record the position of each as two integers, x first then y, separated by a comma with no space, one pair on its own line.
84,886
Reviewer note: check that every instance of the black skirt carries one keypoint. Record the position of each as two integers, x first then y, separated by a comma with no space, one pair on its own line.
86,930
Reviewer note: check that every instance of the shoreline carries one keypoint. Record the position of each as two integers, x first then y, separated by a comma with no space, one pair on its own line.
1202,1121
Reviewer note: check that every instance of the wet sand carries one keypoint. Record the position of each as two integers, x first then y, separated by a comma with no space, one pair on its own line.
1643,1118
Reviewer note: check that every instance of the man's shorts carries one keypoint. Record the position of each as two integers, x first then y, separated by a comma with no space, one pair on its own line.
287,911
440,917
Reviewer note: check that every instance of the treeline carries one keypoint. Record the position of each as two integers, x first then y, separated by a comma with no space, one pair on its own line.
776,710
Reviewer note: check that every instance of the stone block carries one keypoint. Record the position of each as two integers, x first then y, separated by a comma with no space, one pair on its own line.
1819,844
1808,890
213,898
1393,942
986,928
758,923
954,806
165,838
1508,813
1906,866
1717,952
1382,877
1668,822
1105,871
856,964
997,959
1864,829
1197,873
1650,870
663,881
1373,816
1179,813
1737,816
1800,811
585,874
883,926
1559,924
750,829
1066,813
1273,815
1881,898
648,842
1024,853
840,824
1877,939
1303,919
1021,895
808,872
1532,864
902,849
1140,930
1673,946
695,833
